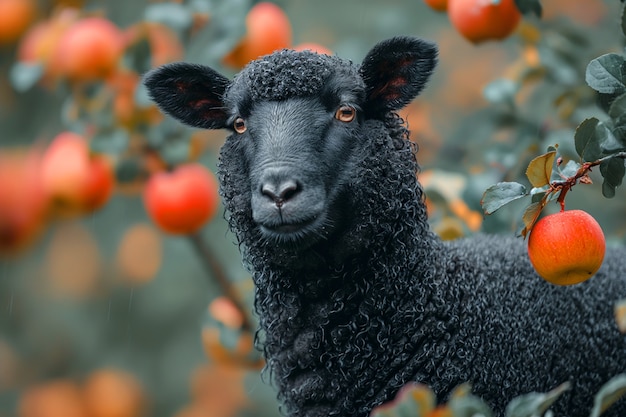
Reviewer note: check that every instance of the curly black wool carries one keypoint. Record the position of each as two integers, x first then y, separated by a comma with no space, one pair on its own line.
372,299
387,303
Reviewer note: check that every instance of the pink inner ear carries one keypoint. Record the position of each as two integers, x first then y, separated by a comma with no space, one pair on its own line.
397,82
390,91
207,109
203,102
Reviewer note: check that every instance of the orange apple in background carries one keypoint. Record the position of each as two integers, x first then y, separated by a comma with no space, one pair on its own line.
89,50
112,392
182,201
483,20
267,30
39,43
75,181
313,47
15,17
438,5
566,248
55,398
22,200
225,311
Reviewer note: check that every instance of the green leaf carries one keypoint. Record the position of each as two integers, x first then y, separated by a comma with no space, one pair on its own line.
175,152
24,75
539,170
113,141
500,194
227,27
608,190
610,137
618,107
613,171
138,56
531,214
586,140
537,194
501,91
570,169
605,74
535,404
609,394
529,6
128,170
469,406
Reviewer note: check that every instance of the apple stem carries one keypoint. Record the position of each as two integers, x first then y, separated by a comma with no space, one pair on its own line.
581,174
215,270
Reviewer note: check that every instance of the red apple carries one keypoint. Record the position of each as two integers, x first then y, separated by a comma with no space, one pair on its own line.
75,181
22,201
182,201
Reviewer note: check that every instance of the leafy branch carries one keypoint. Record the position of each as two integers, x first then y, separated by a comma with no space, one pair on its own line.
419,400
597,143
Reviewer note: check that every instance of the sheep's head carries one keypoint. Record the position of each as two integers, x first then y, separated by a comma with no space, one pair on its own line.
296,119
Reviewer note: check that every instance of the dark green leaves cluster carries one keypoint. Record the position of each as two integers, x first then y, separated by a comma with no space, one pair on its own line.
416,400
529,6
597,142
607,75
541,173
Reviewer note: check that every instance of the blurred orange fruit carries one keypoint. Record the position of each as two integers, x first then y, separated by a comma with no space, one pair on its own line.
140,253
314,47
113,393
267,30
438,5
242,355
22,199
73,262
15,17
219,389
482,20
58,398
39,43
225,311
75,181
90,49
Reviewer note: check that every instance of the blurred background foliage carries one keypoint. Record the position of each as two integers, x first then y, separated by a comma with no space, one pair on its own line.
103,312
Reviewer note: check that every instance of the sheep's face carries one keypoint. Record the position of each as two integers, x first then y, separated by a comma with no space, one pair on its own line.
296,120
298,152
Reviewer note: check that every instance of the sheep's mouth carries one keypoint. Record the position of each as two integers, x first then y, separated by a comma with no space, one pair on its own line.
298,232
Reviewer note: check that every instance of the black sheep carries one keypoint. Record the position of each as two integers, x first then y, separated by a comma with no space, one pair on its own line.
355,295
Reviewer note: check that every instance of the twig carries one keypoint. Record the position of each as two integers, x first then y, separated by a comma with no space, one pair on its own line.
214,269
565,185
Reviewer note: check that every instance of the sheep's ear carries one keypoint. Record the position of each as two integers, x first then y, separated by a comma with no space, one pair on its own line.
395,71
190,93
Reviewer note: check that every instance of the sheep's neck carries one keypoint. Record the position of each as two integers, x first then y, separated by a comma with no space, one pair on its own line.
326,330
327,327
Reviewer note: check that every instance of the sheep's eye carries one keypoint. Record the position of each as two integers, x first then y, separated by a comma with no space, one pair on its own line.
239,125
345,114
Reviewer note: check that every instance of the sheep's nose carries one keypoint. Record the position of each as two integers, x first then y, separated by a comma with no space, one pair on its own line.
280,192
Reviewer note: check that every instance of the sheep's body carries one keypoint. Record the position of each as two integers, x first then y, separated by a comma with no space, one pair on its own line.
356,296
